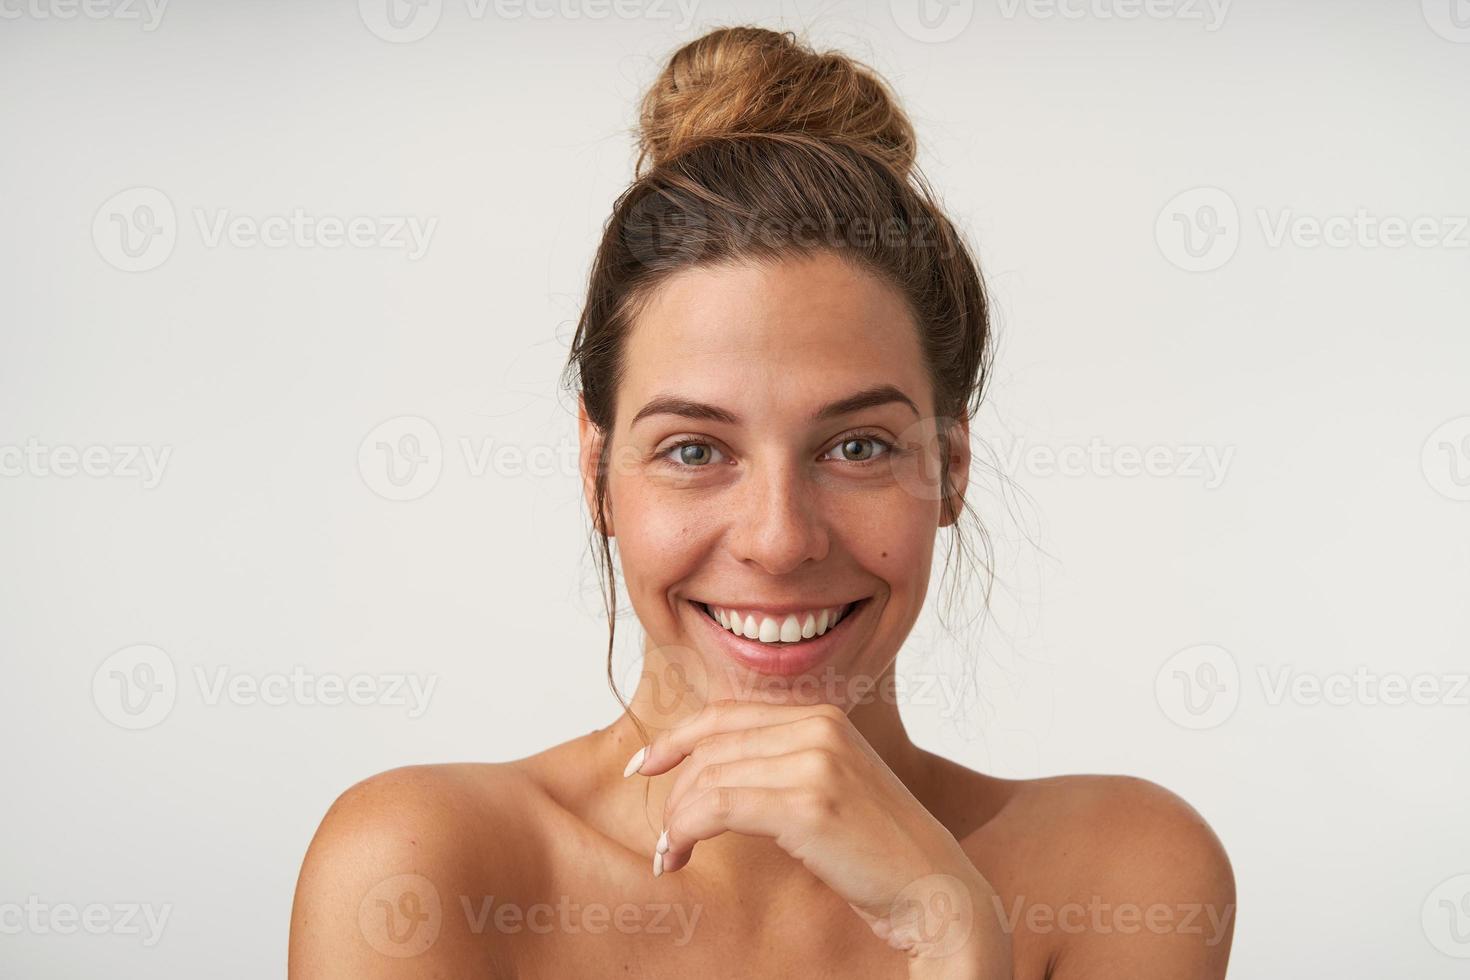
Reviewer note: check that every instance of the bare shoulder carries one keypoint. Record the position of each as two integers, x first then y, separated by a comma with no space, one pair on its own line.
1123,875
384,869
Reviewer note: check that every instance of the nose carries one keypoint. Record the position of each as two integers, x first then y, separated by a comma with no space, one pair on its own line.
777,519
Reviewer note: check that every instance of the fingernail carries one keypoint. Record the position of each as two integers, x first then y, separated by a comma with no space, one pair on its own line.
658,863
663,842
635,762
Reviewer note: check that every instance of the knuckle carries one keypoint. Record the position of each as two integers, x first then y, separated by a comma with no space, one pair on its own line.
831,711
815,808
724,800
822,764
829,730
709,776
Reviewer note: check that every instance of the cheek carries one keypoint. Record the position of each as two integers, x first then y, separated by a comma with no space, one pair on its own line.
658,544
891,535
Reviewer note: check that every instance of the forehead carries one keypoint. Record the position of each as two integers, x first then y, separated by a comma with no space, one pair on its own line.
763,336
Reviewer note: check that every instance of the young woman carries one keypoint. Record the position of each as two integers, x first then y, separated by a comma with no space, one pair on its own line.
782,345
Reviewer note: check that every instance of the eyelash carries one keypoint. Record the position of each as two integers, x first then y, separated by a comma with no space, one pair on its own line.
888,448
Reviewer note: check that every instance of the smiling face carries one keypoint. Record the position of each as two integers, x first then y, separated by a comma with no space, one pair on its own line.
774,461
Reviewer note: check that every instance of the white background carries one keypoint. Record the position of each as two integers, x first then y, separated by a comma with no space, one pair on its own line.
1333,541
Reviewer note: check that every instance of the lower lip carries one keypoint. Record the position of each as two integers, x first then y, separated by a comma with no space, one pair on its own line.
780,659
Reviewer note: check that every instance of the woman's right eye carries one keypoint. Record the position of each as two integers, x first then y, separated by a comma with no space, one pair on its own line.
689,453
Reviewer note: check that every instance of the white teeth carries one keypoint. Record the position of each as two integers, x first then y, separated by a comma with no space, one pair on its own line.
767,629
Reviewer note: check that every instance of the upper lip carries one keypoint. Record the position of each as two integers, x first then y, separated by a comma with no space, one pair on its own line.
779,608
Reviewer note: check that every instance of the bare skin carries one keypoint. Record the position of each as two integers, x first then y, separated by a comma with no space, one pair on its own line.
794,823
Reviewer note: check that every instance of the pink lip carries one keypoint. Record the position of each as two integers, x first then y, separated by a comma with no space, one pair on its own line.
785,661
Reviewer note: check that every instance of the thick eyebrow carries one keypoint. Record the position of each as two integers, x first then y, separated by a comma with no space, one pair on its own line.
882,394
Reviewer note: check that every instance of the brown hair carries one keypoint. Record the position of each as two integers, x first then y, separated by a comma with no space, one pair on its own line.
754,147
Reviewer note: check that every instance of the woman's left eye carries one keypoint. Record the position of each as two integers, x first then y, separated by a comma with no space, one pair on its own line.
858,441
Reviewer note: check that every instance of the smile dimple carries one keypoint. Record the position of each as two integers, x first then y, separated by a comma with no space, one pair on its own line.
778,631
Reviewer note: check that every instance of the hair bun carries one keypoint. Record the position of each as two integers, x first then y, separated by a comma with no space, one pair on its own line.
748,81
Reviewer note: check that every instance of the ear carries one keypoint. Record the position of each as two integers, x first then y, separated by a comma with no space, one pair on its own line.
589,439
959,469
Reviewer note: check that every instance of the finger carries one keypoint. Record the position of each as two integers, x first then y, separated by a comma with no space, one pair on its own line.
671,747
712,761
759,811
